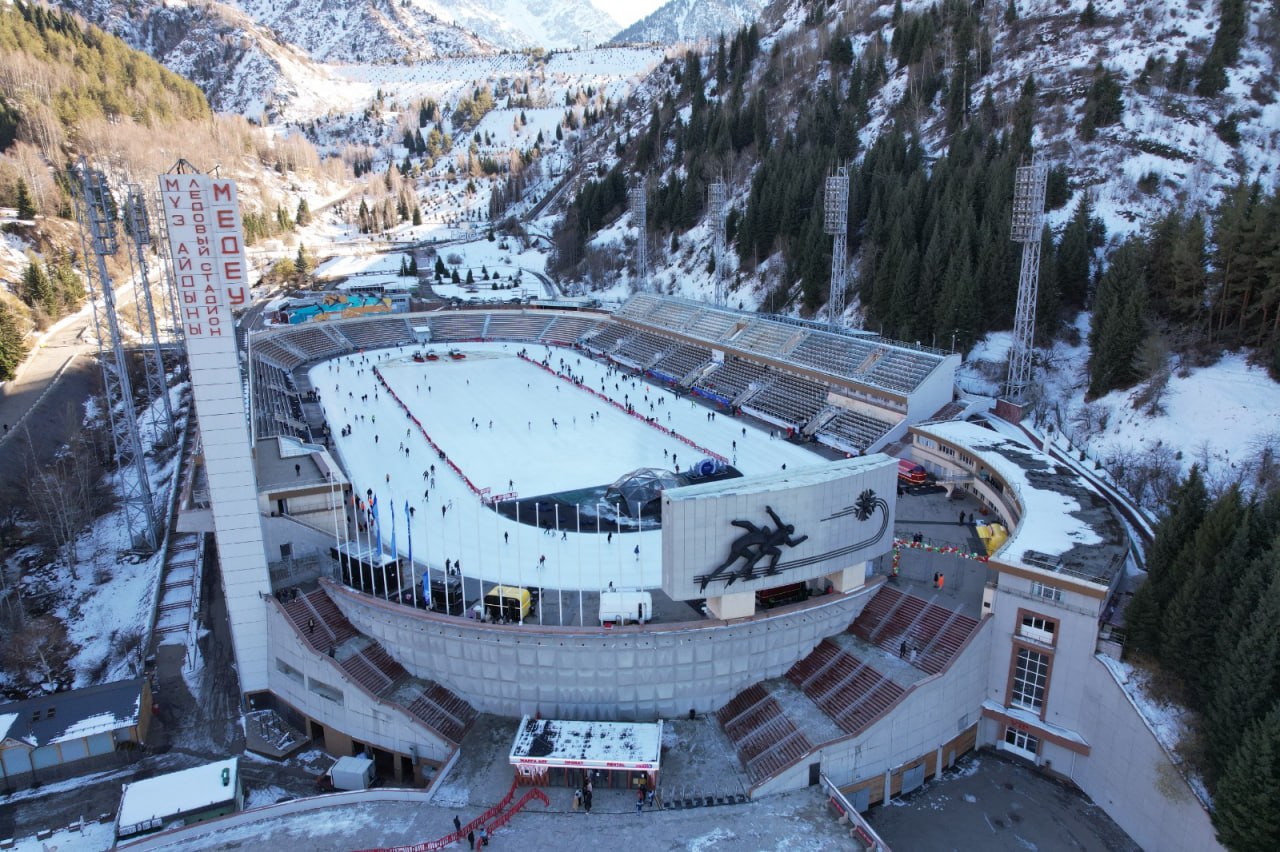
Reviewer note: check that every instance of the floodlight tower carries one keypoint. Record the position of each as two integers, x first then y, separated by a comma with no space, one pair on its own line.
1028,222
139,226
836,223
639,214
96,214
718,201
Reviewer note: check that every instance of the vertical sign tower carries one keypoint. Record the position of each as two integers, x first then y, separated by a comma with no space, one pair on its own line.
1028,221
139,226
206,245
836,223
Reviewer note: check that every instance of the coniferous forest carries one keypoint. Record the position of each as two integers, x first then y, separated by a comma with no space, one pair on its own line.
933,261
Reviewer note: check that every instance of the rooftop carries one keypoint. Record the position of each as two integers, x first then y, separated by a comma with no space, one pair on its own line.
555,741
1067,527
275,459
73,714
189,791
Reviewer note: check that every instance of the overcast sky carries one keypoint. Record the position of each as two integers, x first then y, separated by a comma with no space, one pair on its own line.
627,12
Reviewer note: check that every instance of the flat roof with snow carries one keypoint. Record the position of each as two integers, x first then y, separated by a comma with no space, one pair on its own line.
589,745
1066,527
149,803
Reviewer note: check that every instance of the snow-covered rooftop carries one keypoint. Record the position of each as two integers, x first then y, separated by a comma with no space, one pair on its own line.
73,714
1066,526
609,745
191,790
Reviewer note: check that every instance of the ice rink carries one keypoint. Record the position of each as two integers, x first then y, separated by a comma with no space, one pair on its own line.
590,443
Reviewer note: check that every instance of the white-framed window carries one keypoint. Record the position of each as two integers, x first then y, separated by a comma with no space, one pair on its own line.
1050,593
1030,679
1037,628
1021,743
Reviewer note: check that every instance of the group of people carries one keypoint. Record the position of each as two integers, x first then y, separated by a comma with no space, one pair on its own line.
474,840
582,796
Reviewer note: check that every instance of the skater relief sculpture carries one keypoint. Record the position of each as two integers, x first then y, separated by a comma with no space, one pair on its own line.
758,542
752,546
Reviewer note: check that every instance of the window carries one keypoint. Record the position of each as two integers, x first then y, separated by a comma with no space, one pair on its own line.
324,690
966,460
288,671
1020,742
1037,628
1030,677
950,451
1052,593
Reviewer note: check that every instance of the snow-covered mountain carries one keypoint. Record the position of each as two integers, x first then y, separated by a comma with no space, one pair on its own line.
254,56
525,23
691,20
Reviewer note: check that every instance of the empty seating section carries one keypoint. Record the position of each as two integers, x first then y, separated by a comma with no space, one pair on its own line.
607,338
713,325
763,337
791,399
856,429
902,370
313,342
377,333
510,325
275,352
277,407
935,632
732,377
457,325
681,361
639,306
830,353
765,739
569,329
323,626
642,348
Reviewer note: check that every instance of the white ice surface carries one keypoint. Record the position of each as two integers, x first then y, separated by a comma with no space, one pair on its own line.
522,448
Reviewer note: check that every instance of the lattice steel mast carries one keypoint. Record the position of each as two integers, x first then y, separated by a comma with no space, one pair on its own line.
836,223
639,214
718,199
96,215
139,227
1028,222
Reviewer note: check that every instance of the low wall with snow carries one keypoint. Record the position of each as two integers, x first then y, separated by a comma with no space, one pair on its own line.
1130,775
630,673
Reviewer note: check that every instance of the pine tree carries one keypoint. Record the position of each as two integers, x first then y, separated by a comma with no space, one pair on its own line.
1089,17
303,215
1103,104
1249,673
302,264
1232,26
13,346
1119,321
1247,803
1073,256
26,207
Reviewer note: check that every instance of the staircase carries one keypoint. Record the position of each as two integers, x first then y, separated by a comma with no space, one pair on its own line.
893,617
326,630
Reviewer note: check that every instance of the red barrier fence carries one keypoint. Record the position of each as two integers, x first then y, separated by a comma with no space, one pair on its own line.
492,819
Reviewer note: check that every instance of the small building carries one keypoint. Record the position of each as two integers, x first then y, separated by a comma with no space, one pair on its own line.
190,796
68,733
611,754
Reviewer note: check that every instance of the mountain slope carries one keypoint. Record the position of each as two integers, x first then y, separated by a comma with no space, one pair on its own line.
691,20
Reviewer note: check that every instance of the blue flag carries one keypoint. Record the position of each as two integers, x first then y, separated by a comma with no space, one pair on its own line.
394,552
377,523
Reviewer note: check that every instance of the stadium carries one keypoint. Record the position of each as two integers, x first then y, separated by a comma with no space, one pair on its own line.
452,503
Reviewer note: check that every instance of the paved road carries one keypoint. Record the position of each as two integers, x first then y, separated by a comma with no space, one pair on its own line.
39,422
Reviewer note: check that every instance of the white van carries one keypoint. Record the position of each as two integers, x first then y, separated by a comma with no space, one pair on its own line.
622,607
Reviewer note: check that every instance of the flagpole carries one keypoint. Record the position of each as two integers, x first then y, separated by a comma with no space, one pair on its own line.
413,571
395,555
582,616
559,577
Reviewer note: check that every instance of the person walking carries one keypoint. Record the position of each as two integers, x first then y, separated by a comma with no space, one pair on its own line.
902,650
639,800
457,824
311,625
484,836
637,552
471,840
